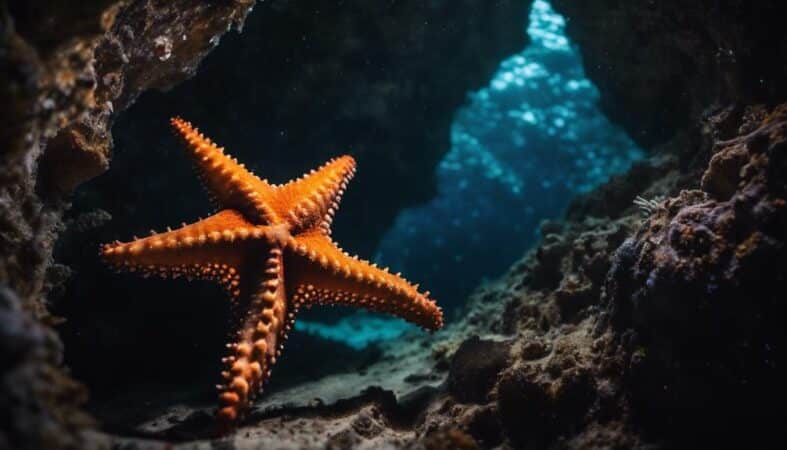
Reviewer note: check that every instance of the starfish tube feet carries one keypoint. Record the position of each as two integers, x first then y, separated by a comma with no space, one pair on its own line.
261,336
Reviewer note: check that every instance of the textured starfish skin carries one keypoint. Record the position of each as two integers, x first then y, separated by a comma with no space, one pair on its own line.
269,246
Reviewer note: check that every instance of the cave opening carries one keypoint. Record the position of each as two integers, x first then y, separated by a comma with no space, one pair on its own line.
522,148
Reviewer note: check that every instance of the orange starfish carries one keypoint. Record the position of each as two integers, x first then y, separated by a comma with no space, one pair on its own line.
270,247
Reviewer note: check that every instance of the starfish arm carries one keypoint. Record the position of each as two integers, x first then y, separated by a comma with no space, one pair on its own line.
313,199
319,272
229,184
261,338
203,249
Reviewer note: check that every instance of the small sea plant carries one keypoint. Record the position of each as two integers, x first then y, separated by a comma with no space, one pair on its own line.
648,207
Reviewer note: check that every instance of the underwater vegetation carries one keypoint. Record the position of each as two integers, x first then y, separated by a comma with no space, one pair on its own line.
647,202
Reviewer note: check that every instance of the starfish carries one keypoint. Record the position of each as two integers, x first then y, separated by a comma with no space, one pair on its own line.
270,247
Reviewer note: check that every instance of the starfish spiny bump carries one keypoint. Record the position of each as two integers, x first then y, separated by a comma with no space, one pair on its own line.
269,246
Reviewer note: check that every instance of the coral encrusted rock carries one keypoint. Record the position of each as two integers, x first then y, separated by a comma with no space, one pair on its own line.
701,283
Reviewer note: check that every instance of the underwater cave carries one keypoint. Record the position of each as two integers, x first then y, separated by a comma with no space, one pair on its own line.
574,216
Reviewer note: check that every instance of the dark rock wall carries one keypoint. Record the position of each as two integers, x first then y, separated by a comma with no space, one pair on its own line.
66,69
66,72
659,65
692,295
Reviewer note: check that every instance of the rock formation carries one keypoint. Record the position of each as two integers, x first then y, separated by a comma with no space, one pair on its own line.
66,71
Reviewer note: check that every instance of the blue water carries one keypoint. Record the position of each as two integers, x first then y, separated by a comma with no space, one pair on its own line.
522,148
